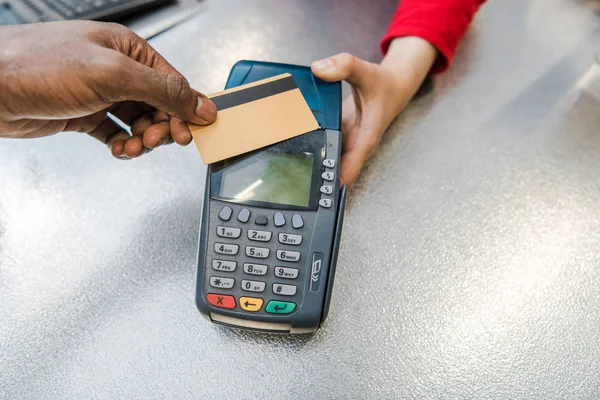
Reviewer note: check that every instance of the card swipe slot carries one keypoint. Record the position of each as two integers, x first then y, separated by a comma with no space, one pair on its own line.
254,93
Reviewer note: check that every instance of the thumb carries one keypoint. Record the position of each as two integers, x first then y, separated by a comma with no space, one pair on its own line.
166,92
343,66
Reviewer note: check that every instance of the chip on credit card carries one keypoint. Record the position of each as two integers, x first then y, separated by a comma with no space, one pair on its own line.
254,116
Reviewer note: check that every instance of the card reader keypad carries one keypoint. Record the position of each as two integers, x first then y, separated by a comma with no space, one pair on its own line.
271,269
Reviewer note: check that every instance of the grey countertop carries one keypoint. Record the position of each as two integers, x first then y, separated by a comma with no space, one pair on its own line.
469,266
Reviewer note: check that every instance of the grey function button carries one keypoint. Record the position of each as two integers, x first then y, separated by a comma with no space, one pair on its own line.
285,255
288,238
223,248
279,219
227,266
284,290
297,221
261,220
328,176
225,213
286,273
329,163
226,232
255,269
327,189
325,203
244,215
253,286
260,236
221,283
257,252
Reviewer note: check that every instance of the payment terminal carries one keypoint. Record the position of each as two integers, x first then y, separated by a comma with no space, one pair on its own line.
272,220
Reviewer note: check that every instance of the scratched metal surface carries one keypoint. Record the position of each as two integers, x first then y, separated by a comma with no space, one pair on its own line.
469,266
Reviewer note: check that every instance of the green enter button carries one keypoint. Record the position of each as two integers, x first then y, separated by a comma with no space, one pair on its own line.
280,307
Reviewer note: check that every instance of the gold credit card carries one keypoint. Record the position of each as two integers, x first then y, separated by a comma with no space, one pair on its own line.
253,116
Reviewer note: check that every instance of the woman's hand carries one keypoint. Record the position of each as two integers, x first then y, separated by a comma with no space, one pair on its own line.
379,93
66,76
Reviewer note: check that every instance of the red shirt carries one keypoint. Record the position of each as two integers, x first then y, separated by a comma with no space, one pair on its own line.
442,23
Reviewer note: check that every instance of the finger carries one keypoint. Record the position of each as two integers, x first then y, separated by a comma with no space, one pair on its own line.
141,124
167,92
351,165
117,145
343,66
157,135
160,116
134,147
180,132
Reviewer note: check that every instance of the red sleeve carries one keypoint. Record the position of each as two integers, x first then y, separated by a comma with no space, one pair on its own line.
442,23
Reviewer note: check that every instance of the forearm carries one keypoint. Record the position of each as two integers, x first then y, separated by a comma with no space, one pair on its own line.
442,23
407,63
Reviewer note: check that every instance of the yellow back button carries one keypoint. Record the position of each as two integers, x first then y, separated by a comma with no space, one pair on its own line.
251,304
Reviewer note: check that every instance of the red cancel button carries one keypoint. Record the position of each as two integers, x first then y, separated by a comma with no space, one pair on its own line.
221,300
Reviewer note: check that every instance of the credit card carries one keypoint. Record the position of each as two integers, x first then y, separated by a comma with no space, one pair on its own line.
254,116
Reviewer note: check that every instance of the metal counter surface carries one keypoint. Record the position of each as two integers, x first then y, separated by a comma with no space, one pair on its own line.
469,266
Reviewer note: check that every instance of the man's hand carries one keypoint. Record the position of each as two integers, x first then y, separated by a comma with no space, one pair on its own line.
66,76
380,93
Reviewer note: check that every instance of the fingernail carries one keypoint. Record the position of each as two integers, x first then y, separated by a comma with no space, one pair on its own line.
324,64
206,109
123,156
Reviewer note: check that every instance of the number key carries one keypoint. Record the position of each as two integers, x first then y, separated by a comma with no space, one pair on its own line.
286,273
288,238
222,248
253,286
257,252
227,266
285,255
226,232
260,236
255,269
